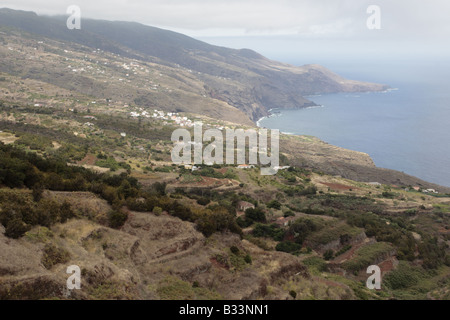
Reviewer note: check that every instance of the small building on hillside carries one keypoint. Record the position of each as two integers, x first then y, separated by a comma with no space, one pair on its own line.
245,166
281,168
284,222
244,205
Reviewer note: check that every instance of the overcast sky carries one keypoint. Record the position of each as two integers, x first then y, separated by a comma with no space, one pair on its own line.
269,26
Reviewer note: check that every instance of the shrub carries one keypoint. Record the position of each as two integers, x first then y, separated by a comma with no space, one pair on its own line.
272,231
117,219
248,259
404,276
172,288
388,195
328,255
293,294
344,250
302,228
289,247
53,255
235,250
255,214
274,204
289,214
317,263
258,242
308,191
244,223
160,188
218,221
157,210
203,201
367,255
16,228
447,260
37,192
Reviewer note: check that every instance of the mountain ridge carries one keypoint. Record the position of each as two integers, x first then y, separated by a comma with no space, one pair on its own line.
254,83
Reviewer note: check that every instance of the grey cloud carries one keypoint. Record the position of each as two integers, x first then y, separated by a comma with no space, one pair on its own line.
307,18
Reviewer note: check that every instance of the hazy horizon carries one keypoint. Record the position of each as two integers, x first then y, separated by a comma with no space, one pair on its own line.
285,30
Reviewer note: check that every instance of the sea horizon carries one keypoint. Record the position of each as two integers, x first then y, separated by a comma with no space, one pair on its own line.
403,128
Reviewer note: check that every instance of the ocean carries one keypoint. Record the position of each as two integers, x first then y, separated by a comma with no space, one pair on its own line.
405,129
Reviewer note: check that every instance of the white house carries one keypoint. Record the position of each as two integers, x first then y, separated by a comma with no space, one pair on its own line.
245,166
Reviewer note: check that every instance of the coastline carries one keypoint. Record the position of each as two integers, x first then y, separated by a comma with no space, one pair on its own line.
385,175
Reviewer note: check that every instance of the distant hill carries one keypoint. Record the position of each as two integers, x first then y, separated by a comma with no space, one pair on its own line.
243,78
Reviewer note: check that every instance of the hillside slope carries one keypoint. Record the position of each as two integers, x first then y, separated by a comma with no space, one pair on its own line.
242,78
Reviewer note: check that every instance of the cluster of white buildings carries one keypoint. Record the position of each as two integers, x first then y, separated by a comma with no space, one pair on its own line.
141,113
167,117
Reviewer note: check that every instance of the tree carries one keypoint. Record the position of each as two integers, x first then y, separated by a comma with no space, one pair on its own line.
287,246
203,201
66,212
117,219
160,188
293,294
157,211
38,190
126,190
255,214
274,204
235,250
16,228
328,255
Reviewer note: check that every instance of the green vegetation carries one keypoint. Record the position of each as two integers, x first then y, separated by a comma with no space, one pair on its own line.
34,142
394,232
20,169
53,256
274,204
343,250
368,255
413,282
328,255
46,148
289,247
404,276
333,232
268,231
214,173
293,294
117,219
172,288
112,164
316,263
19,213
302,228
255,215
